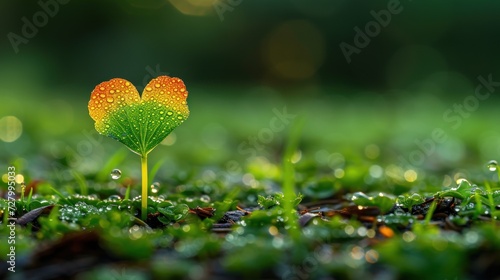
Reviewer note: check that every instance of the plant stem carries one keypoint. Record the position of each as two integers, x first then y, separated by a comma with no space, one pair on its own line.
144,170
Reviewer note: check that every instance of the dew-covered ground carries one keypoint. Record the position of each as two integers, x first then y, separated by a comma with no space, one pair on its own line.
390,186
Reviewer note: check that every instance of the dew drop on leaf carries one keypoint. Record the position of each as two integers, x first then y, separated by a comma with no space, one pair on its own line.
114,197
492,165
399,212
116,174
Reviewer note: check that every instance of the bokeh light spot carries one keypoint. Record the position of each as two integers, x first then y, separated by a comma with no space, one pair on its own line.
11,128
410,175
19,178
371,256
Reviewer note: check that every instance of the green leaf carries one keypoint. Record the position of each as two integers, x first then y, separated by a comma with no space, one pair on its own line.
172,213
277,199
382,200
139,122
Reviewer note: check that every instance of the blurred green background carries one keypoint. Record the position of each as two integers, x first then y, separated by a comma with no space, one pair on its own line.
243,60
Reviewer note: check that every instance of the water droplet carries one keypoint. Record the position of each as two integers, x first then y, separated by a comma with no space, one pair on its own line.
112,91
149,89
399,212
114,198
169,113
127,84
416,197
102,88
183,89
110,99
102,95
492,165
157,85
116,174
205,198
155,187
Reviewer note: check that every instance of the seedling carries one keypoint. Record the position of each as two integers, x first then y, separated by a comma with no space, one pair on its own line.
139,122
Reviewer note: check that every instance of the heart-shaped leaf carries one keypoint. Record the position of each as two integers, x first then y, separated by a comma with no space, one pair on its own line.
139,122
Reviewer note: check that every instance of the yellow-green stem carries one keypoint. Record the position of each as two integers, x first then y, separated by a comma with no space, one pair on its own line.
144,170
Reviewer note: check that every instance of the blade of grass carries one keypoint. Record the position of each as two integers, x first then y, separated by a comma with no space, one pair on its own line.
155,170
491,202
430,213
479,206
29,197
289,189
127,193
61,196
84,190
